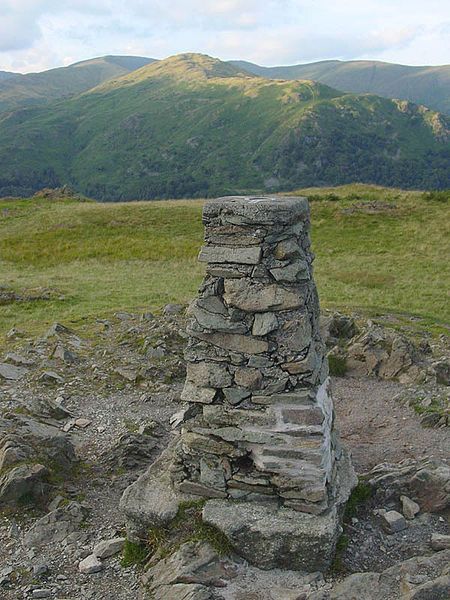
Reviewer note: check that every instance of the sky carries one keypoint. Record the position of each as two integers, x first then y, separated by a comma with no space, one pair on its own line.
41,34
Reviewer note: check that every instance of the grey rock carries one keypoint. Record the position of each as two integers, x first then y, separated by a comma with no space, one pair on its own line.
151,501
264,323
426,481
193,563
40,569
395,582
89,565
248,210
208,374
51,377
13,333
235,395
252,296
194,393
129,373
107,548
12,372
199,489
18,360
392,521
409,508
216,321
225,254
24,481
245,344
183,591
287,249
55,526
337,327
280,538
248,378
132,450
62,353
442,370
440,541
294,272
5,575
172,309
181,416
57,329
42,593
26,438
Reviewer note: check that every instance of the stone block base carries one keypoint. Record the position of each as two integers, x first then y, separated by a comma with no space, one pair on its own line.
278,537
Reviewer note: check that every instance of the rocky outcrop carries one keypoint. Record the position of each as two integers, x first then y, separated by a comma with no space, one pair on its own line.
426,482
31,450
419,578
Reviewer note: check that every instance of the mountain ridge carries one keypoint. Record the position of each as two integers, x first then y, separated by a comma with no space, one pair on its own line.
194,126
428,85
33,89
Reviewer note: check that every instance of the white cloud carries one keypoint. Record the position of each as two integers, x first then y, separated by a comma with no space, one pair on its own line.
37,34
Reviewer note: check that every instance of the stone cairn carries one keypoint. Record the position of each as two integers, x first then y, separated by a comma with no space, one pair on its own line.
258,436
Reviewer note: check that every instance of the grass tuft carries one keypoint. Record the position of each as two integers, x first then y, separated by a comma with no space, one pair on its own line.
359,496
337,365
134,554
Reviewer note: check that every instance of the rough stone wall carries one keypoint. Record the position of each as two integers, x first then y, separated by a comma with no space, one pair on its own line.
260,419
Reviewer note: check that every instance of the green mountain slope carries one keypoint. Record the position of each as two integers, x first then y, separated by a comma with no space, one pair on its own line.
18,90
192,125
421,85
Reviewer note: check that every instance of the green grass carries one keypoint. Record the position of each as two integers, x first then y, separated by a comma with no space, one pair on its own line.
337,365
187,526
133,554
139,256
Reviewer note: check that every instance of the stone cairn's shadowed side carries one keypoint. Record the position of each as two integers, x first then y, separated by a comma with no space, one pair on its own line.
259,438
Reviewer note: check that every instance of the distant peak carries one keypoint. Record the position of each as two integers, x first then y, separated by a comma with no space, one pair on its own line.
192,65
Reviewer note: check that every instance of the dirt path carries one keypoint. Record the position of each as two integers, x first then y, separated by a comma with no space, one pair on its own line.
378,428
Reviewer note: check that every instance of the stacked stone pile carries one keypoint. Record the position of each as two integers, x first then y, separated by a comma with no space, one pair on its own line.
257,375
258,439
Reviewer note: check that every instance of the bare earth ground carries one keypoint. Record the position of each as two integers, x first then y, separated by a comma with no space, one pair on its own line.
378,429
373,425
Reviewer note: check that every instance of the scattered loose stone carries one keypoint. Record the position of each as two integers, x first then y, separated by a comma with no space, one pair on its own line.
440,541
172,309
51,377
108,548
82,423
91,564
18,360
5,575
392,521
40,569
409,508
12,372
41,593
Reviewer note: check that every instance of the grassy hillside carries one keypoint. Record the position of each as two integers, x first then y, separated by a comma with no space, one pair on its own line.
40,88
195,126
422,85
377,250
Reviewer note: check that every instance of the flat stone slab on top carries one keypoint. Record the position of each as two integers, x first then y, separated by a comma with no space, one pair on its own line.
254,210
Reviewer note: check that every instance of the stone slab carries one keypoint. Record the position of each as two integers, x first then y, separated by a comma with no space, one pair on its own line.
260,210
226,254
